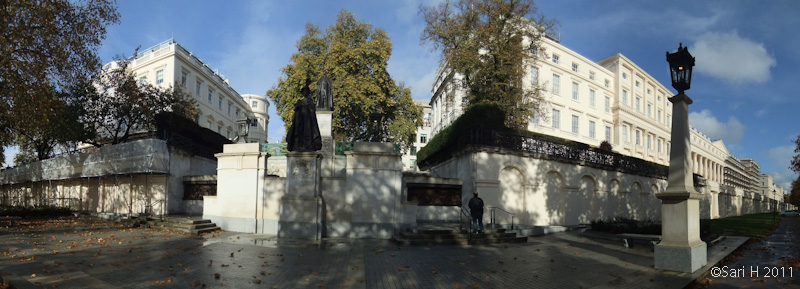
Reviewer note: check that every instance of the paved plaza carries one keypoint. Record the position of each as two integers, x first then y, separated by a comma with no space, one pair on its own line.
90,253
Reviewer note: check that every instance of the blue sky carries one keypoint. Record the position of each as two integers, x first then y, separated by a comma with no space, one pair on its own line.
744,87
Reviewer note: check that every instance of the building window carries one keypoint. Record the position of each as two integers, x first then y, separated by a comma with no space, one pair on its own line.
219,102
423,138
160,76
625,132
625,76
624,96
534,75
638,137
649,91
649,110
608,134
556,84
637,83
638,104
591,98
608,104
210,93
183,78
237,112
219,129
659,115
669,122
556,118
413,150
574,67
555,58
667,148
253,123
591,129
143,80
649,147
574,123
575,91
197,88
607,83
591,75
658,145
254,104
229,108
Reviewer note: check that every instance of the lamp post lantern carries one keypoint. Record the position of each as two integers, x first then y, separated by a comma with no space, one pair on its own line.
243,129
375,120
681,248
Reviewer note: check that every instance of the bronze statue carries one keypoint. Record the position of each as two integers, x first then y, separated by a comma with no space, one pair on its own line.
303,135
324,93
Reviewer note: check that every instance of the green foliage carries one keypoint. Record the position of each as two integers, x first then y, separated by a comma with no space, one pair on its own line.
794,196
491,43
621,225
45,47
354,55
606,146
754,225
34,212
478,116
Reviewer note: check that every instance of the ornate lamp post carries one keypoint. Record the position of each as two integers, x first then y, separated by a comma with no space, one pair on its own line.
680,248
243,124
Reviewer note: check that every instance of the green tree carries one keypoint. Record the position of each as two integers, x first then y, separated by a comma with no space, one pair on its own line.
794,197
490,43
44,47
119,106
354,56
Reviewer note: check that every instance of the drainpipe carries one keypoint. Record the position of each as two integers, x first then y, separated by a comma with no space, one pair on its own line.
255,212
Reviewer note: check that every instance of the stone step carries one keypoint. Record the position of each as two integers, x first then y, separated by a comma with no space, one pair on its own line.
192,225
427,236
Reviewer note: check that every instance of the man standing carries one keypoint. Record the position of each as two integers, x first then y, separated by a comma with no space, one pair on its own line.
476,210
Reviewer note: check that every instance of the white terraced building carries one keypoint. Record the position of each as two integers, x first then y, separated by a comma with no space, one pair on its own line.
219,105
612,100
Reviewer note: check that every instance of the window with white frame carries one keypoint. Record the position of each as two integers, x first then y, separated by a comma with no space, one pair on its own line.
638,138
592,98
658,145
591,75
575,95
574,67
556,84
669,121
591,129
143,80
659,115
575,120
423,138
555,58
625,76
197,88
649,146
254,104
638,104
159,76
607,104
607,83
556,119
625,132
184,75
210,94
219,102
534,75
238,111
624,96
649,110
608,134
229,108
637,83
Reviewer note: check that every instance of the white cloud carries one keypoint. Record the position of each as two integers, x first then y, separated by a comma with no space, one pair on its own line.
731,58
731,131
761,112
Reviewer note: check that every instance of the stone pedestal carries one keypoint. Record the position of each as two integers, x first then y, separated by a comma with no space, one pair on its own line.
374,179
301,206
681,248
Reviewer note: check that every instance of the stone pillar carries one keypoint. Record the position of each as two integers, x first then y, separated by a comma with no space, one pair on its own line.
301,206
681,248
373,188
325,123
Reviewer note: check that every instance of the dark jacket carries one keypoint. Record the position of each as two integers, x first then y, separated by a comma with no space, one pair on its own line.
476,207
